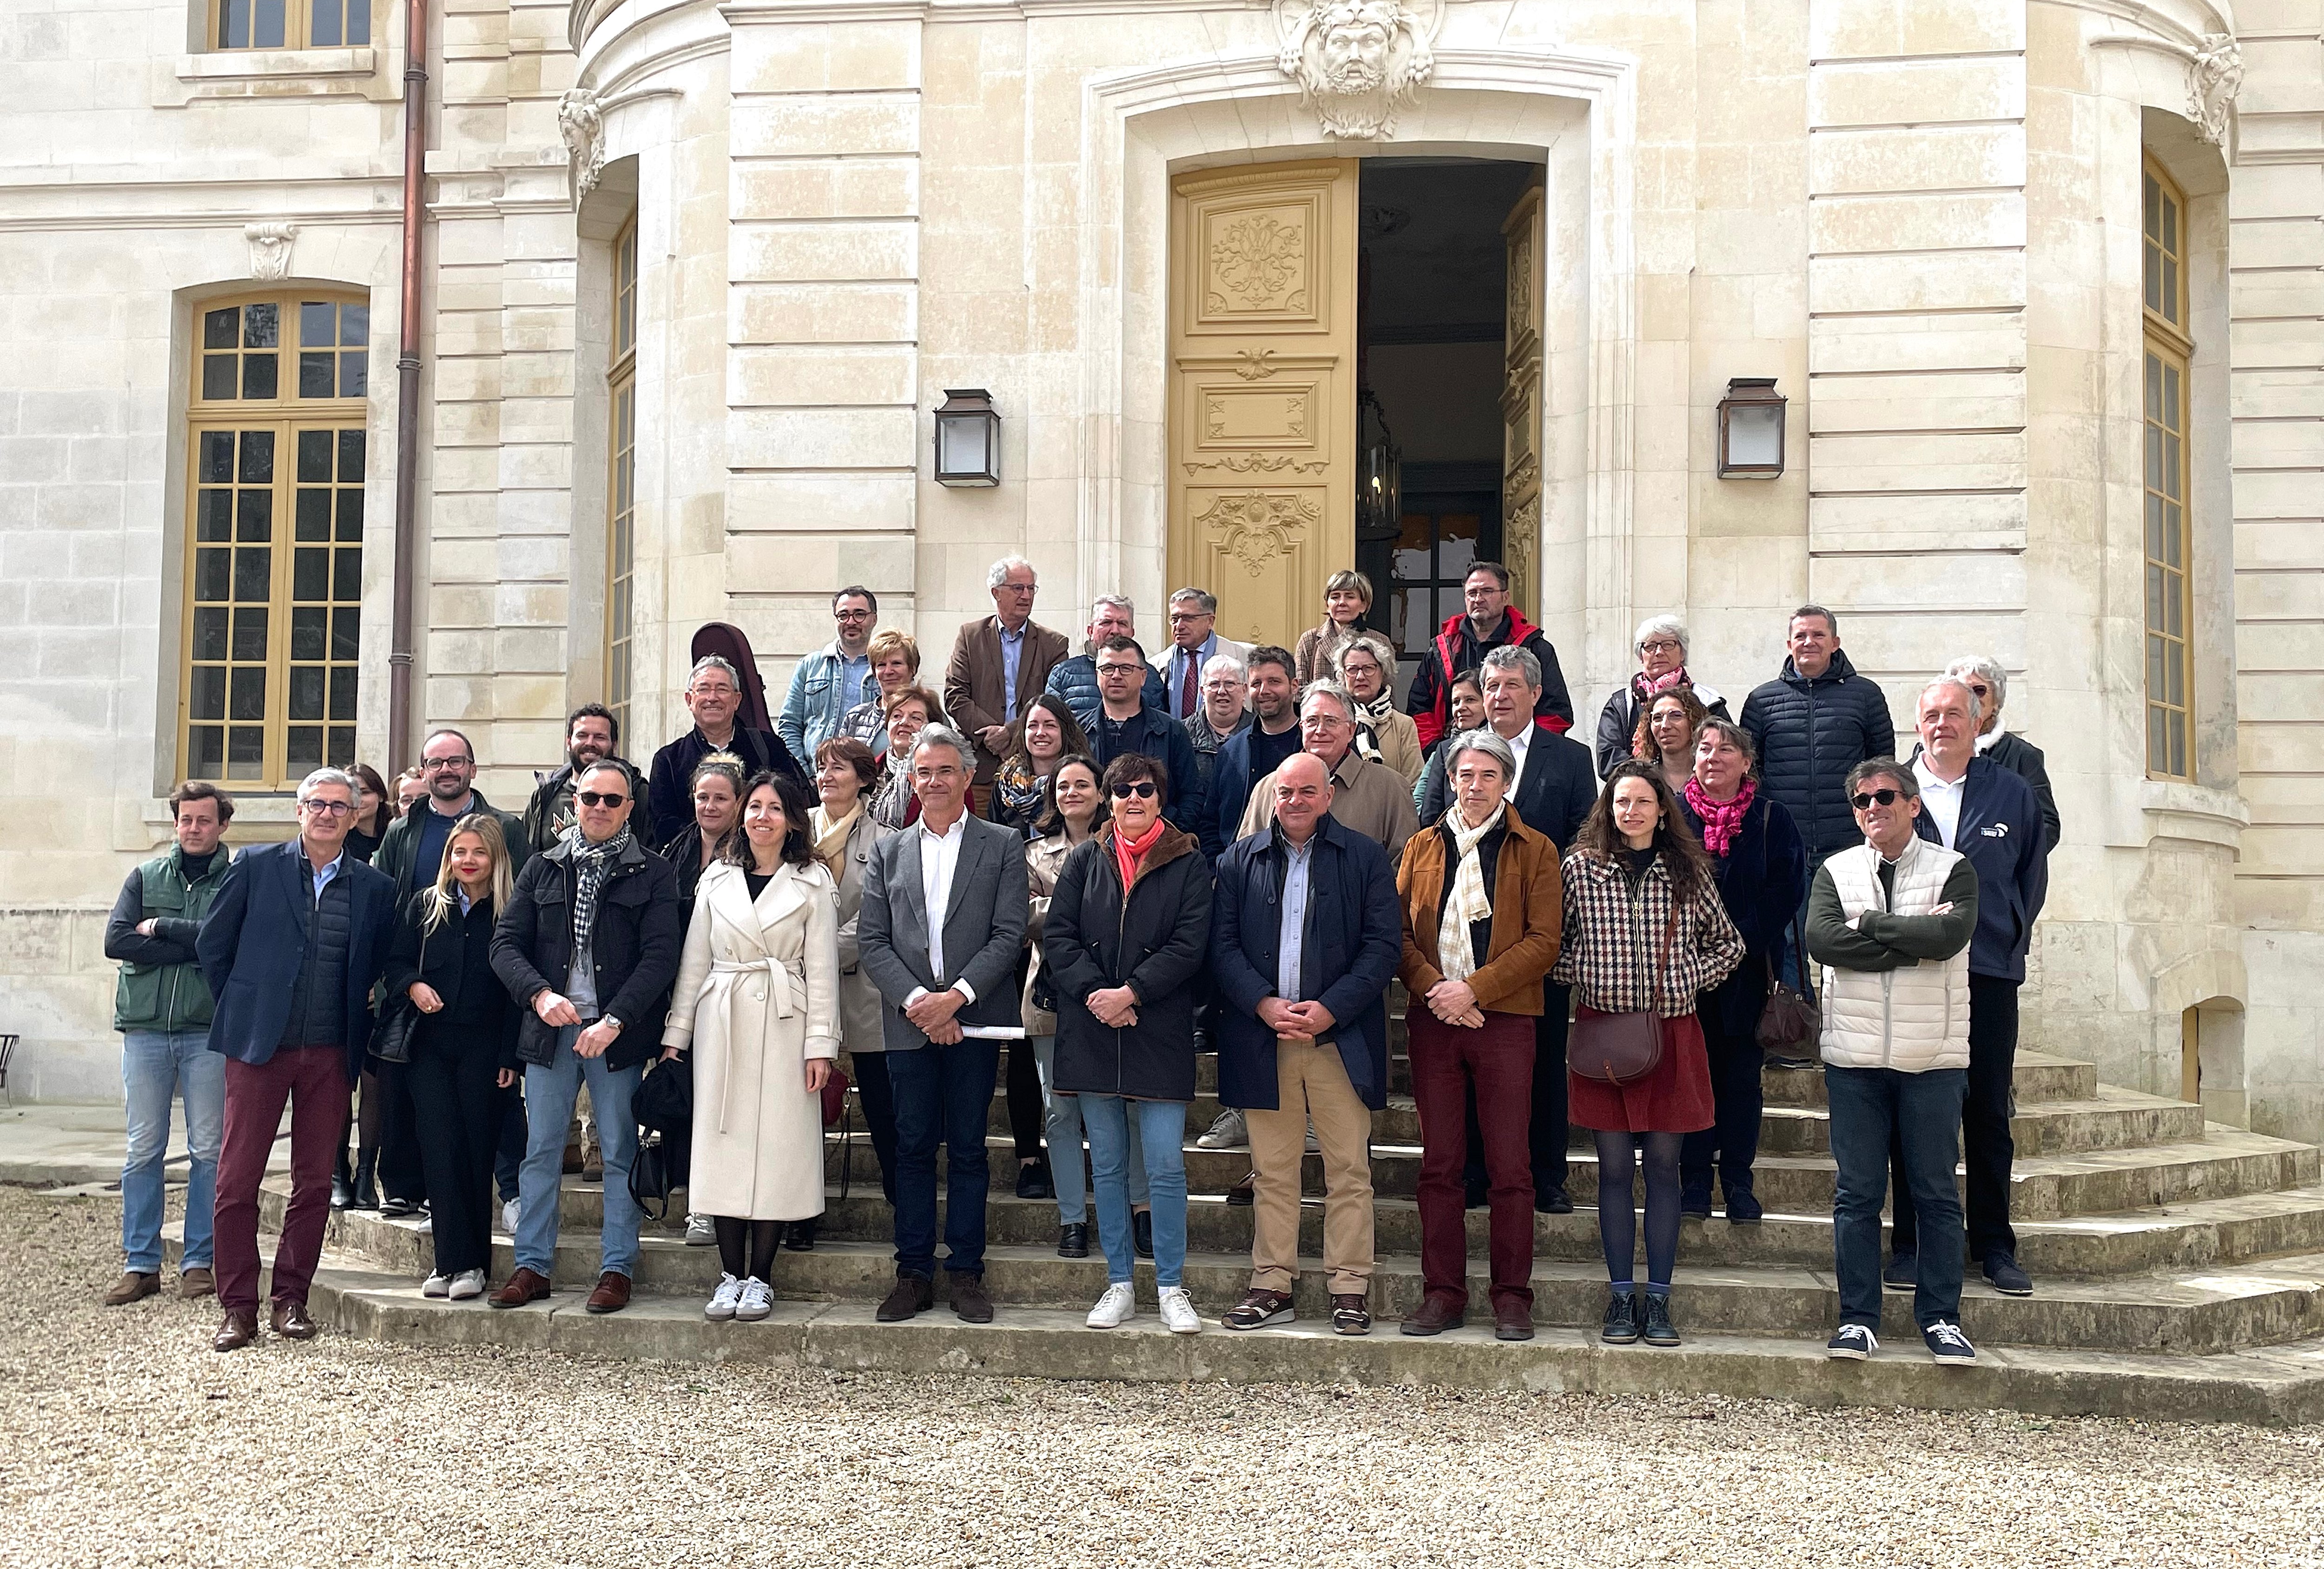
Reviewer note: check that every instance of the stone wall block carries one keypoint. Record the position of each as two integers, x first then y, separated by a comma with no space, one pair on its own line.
807,126
1916,92
1962,280
846,251
830,313
822,438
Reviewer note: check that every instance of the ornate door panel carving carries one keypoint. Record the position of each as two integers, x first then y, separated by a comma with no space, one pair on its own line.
1521,404
1263,401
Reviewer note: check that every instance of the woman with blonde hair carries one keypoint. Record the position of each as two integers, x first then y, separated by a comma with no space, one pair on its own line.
462,1045
1347,600
895,665
756,1006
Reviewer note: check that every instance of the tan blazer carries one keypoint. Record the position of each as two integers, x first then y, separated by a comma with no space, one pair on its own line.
976,684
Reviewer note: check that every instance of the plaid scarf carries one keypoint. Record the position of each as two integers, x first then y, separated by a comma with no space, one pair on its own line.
591,864
1456,954
1020,787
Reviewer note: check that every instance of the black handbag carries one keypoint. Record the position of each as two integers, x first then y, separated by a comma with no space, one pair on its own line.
390,1038
663,1109
1791,1024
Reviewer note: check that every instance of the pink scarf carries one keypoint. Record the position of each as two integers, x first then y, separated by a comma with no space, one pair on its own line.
1128,853
1649,687
1722,820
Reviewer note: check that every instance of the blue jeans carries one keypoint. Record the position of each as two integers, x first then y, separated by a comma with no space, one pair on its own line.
548,1096
1868,1106
942,1095
156,1065
1113,1123
1067,1169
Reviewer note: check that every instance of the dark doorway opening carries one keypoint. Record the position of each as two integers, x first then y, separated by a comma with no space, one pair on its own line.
1431,334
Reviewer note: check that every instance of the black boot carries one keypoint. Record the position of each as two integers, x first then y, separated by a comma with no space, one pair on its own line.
343,1180
366,1191
801,1237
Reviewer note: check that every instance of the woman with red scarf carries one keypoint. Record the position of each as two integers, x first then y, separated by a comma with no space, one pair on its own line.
1760,864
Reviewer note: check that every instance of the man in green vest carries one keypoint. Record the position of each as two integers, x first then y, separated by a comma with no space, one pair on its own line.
161,1006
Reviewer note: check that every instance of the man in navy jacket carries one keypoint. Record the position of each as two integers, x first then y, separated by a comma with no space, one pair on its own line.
1307,1037
1126,722
1971,804
291,949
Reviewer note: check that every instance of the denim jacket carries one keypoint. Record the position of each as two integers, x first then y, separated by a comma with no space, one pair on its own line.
817,701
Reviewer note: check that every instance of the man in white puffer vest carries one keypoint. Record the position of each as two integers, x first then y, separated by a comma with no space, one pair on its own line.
1890,921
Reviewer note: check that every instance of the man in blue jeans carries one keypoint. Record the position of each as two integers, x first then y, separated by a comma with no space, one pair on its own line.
940,931
1891,920
161,1006
589,946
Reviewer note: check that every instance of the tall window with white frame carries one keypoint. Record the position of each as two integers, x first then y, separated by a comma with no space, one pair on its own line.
277,443
2170,604
622,482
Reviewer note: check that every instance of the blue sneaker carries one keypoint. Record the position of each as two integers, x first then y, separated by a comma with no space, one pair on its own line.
1948,1345
1855,1343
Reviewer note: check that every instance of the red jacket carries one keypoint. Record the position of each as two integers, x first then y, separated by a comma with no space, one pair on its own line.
1455,651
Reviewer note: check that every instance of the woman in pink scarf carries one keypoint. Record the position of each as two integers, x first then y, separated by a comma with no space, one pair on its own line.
1662,665
1760,864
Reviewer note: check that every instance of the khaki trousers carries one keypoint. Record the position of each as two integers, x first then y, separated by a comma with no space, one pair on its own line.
1311,1081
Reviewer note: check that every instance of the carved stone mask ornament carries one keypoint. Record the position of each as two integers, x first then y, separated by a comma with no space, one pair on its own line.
1357,61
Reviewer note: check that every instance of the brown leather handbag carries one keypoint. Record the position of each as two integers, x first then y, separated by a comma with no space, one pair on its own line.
1791,1024
1622,1048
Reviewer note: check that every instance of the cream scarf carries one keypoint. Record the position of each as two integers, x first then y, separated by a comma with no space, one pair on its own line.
830,838
1455,955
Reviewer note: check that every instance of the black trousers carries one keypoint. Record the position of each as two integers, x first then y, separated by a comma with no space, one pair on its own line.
401,1174
455,1105
510,1153
878,1099
1738,1100
1546,1130
1987,1151
1028,1112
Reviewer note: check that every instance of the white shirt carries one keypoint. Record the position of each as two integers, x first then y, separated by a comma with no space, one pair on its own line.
1516,744
1941,800
939,856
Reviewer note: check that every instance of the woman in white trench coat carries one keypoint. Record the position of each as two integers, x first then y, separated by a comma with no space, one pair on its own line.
757,1003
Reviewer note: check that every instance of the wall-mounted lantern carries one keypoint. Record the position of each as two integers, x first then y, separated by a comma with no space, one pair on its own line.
1751,429
968,438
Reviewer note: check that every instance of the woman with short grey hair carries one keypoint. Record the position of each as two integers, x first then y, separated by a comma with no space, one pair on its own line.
1366,666
1662,649
1989,683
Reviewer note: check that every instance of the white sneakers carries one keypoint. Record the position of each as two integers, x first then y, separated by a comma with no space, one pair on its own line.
758,1300
467,1285
724,1300
1117,1307
1229,1132
700,1231
1178,1315
436,1286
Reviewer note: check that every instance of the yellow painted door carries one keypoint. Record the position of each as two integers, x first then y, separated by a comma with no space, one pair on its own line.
1522,237
1263,390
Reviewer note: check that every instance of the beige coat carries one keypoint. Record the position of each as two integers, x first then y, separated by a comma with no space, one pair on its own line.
1042,859
1366,797
859,999
757,995
1399,740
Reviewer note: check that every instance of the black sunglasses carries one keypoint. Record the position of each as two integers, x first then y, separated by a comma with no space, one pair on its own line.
1874,798
592,798
1143,789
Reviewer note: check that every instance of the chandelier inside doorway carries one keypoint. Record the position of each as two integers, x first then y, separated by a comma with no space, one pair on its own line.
1379,472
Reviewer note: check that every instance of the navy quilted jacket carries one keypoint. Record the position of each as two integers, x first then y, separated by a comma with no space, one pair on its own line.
1809,734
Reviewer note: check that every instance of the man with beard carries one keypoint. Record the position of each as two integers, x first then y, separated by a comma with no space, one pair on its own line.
591,733
1255,751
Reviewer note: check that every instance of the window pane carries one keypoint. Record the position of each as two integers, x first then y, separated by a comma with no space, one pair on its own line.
2168,235
314,375
307,693
247,695
205,752
358,32
2153,458
234,23
343,745
2158,740
314,458
351,514
217,377
257,458
351,455
213,514
255,519
2178,730
217,457
2153,274
250,634
254,576
348,575
354,320
2174,686
2173,529
267,30
260,324
219,327
209,635
353,374
314,515
2152,193
2175,600
2154,604
2171,419
324,30
257,375
342,691
209,700
245,752
346,633
302,749
311,573
2154,388
318,318
2170,289
2153,524
307,632
211,572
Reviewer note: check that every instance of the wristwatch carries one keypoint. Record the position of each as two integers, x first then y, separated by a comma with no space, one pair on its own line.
614,1023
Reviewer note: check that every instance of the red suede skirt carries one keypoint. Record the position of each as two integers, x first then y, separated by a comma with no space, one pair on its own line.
1675,1098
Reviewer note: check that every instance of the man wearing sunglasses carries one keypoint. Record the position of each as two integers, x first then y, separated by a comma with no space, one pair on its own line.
589,947
1126,722
1890,920
291,949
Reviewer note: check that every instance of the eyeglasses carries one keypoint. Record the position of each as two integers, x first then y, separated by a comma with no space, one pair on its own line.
1665,647
438,764
327,809
594,799
1119,669
1143,789
1869,799
851,616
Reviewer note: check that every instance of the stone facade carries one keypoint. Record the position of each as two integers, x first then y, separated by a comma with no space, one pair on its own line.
1922,216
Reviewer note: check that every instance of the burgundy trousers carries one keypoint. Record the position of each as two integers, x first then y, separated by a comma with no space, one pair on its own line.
1499,1059
314,1080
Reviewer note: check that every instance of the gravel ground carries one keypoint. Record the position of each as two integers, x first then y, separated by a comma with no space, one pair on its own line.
124,1439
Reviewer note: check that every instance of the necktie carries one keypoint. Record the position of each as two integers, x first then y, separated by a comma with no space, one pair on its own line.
1186,689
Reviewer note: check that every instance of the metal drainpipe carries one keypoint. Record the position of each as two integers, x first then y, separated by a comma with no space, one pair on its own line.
407,390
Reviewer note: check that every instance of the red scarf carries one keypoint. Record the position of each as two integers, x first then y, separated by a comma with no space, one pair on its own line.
1722,820
1128,853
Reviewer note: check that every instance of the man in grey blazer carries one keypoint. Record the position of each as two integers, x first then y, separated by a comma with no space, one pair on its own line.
948,997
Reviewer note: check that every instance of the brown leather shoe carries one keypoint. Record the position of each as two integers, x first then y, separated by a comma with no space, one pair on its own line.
523,1286
237,1330
969,1300
612,1293
291,1321
911,1293
1512,1319
197,1282
1434,1316
130,1287
1351,1313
